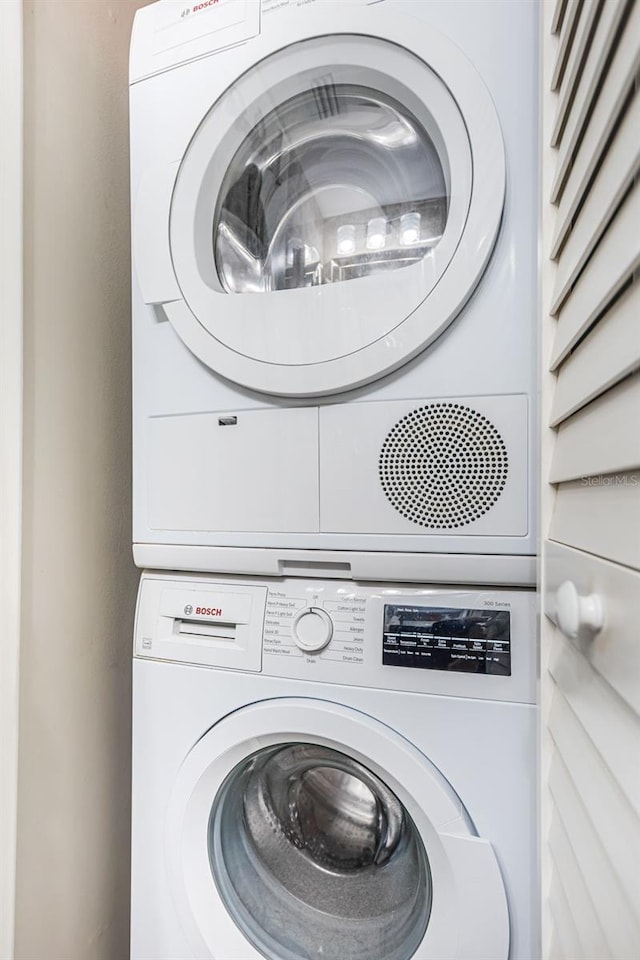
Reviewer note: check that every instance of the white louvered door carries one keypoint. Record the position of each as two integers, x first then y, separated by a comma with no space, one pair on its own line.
591,479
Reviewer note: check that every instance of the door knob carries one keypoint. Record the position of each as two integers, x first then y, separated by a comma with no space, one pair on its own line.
575,613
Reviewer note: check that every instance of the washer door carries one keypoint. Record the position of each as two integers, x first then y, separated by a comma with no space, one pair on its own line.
302,829
336,206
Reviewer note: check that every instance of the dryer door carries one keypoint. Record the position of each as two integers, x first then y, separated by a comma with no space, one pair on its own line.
299,828
336,206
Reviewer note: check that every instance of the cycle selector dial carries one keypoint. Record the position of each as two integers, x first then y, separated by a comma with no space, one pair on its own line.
312,629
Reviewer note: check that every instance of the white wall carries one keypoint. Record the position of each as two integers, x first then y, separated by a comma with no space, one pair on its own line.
78,580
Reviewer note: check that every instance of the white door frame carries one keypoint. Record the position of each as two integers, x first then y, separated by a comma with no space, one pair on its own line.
11,155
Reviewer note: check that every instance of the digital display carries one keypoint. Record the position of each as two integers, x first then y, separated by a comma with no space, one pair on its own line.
447,638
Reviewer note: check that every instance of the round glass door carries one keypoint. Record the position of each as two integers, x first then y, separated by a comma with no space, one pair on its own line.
334,208
337,183
314,856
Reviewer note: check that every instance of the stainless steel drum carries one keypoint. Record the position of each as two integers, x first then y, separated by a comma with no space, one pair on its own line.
315,857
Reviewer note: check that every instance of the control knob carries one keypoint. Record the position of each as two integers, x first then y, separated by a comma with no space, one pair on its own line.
312,629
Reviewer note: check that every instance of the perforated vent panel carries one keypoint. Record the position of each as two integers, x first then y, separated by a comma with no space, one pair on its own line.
443,465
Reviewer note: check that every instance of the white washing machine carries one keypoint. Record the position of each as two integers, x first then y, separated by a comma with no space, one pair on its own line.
334,280
333,771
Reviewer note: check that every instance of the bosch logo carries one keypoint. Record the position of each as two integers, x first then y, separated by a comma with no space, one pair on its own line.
209,611
199,6
188,610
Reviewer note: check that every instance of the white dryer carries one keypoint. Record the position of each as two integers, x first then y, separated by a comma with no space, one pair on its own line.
334,278
333,771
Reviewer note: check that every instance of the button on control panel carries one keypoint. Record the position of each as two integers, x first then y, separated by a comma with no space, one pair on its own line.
315,628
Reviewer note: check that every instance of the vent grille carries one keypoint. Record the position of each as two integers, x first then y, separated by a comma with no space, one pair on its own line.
443,465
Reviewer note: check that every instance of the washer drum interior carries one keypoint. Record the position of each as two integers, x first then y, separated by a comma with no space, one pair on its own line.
315,857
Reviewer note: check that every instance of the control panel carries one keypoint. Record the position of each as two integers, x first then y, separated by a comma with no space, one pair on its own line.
330,628
466,642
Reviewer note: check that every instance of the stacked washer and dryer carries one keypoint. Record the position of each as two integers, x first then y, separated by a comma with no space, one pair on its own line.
334,213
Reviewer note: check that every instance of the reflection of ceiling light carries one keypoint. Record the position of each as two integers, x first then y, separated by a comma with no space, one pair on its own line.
376,233
346,238
409,228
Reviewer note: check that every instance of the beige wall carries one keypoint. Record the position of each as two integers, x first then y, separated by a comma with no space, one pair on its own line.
78,580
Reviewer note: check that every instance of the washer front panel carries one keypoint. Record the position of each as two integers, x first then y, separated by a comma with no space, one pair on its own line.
328,337
496,785
464,874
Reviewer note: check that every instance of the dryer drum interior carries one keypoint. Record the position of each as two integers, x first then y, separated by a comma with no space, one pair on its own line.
315,857
338,182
